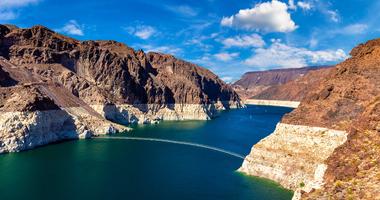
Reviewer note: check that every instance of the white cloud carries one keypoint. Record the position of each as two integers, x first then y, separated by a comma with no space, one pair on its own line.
292,5
313,42
224,56
145,32
183,10
227,79
198,41
253,40
353,29
282,55
304,5
333,15
16,3
7,15
265,17
325,7
162,49
7,8
72,28
141,31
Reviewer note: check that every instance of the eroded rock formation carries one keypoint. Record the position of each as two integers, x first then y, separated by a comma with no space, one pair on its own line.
87,83
347,102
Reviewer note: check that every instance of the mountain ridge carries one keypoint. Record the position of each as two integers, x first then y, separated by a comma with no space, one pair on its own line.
255,83
97,82
326,148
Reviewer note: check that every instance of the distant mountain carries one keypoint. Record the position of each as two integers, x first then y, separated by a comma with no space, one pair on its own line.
253,83
294,90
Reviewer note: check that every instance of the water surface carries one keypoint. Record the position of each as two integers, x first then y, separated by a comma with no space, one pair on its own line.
123,169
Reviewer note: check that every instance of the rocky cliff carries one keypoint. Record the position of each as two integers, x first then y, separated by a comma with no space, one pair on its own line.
340,120
93,81
294,90
254,83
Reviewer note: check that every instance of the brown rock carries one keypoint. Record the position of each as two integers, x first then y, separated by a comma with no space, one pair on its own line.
268,84
348,99
114,72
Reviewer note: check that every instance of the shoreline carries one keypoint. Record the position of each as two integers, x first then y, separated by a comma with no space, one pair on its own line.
294,156
279,103
24,130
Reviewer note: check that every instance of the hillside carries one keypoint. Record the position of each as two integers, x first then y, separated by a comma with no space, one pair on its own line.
327,148
294,90
102,80
254,83
350,98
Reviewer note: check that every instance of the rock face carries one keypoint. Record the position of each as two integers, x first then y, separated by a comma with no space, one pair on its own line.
279,103
87,83
294,155
348,100
296,89
30,118
254,83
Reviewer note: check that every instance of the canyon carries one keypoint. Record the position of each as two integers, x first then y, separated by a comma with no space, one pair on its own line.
326,148
56,88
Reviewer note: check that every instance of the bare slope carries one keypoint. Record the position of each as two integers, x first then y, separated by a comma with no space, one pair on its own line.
254,83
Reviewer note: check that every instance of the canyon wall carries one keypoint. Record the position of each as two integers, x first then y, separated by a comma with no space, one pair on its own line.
297,89
262,102
294,155
54,88
264,84
327,148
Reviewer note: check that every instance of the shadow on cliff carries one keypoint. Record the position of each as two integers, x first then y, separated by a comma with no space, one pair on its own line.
50,126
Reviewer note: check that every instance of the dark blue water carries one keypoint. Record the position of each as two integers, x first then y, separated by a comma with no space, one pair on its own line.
123,169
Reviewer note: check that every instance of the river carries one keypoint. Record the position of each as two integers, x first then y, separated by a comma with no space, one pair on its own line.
169,160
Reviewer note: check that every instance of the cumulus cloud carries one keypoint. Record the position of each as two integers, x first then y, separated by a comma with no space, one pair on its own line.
142,31
72,28
282,55
183,10
7,8
265,17
253,40
224,56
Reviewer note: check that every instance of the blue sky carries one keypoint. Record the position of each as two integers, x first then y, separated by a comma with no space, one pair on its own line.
227,36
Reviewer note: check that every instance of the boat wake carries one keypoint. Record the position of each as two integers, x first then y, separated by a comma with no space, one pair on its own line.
174,142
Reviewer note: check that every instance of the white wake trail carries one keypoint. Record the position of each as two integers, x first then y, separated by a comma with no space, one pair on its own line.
174,142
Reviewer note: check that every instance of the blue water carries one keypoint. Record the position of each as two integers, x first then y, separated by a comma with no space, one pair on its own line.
125,169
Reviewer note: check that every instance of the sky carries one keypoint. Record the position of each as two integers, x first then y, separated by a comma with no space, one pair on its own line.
229,37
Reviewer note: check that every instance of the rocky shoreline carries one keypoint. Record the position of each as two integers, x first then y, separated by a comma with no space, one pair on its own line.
294,156
150,113
260,102
21,131
26,130
339,160
54,88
